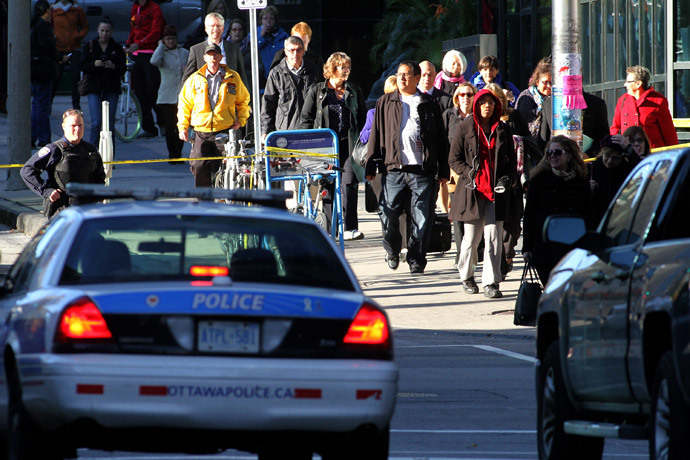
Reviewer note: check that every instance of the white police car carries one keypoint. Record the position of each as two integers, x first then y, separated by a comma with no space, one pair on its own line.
182,326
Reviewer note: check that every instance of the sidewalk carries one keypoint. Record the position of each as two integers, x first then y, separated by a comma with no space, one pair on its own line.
433,301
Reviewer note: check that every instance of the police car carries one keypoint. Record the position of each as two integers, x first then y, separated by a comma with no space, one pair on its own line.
191,326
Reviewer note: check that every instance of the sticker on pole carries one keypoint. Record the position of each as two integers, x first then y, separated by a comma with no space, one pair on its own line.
251,4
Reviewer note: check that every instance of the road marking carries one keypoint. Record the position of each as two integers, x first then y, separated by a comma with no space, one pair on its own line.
500,351
466,431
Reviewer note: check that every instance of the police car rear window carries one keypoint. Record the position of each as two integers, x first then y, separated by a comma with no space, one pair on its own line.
194,248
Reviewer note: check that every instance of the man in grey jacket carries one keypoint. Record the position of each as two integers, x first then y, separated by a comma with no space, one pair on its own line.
232,55
286,89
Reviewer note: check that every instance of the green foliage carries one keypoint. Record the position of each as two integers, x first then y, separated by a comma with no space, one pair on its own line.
415,29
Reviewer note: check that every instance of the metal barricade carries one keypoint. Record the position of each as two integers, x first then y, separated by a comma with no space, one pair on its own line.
307,159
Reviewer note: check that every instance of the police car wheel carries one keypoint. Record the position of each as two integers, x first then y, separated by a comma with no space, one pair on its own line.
363,446
281,454
23,432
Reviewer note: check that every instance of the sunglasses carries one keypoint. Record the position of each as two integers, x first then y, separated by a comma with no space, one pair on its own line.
555,153
465,94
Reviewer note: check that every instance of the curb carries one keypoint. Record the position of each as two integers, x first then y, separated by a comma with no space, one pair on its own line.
22,218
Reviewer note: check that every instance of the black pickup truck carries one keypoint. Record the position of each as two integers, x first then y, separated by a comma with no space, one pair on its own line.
613,326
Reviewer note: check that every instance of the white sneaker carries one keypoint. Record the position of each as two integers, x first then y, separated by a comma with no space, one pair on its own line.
350,235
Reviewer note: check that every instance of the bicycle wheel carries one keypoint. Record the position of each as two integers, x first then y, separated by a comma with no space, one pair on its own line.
128,117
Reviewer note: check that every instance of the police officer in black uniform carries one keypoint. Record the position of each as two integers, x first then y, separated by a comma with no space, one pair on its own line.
68,160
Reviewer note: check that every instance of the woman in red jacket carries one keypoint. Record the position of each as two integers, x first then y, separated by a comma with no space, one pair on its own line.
642,106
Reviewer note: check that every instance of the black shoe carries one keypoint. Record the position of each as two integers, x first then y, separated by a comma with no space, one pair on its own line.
469,286
416,270
491,292
393,261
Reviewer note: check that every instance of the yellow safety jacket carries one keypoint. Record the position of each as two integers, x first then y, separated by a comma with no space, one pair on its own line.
194,106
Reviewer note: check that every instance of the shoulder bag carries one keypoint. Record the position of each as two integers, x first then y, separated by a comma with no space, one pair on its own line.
528,298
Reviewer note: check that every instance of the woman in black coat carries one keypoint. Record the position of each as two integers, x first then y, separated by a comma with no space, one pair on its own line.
103,63
339,105
559,185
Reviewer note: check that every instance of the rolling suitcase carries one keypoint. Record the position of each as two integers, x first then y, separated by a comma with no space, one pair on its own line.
441,234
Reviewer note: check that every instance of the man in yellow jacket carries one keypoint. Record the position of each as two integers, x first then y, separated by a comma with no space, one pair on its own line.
213,100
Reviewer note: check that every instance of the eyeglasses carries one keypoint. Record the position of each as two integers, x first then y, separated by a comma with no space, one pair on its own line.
555,153
465,94
344,69
293,50
404,75
545,82
637,140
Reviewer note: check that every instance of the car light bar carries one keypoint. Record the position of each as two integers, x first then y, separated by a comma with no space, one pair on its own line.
370,327
203,270
89,192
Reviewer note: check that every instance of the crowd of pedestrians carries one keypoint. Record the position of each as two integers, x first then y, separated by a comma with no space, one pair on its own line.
474,146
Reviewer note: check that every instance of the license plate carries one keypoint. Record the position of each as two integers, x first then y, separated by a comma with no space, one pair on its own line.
228,336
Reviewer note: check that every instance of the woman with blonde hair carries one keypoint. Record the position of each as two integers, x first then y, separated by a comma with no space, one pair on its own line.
559,185
338,104
454,65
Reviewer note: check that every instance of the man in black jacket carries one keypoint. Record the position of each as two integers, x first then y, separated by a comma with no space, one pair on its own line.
68,160
232,55
408,137
286,89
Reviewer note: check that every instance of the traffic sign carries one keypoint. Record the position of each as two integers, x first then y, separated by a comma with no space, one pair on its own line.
251,4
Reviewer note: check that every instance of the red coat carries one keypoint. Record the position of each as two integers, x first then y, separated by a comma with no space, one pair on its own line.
650,112
147,25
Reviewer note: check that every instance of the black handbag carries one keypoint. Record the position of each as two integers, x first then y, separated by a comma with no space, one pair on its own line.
528,298
371,201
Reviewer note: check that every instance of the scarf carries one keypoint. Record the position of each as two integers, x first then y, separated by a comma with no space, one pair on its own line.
537,96
63,6
566,175
443,75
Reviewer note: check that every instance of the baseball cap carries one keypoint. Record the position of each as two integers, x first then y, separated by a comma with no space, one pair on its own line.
212,47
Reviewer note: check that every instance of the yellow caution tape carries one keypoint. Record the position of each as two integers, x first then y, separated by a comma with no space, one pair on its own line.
295,154
298,153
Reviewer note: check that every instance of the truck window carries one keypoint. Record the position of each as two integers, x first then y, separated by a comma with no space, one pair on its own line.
675,225
618,221
655,187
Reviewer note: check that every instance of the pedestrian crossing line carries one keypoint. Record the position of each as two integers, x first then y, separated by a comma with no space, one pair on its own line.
500,351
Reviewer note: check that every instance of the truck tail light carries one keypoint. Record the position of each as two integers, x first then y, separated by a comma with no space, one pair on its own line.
370,327
82,320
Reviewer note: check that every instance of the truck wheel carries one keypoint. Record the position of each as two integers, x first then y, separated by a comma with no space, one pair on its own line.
670,419
553,408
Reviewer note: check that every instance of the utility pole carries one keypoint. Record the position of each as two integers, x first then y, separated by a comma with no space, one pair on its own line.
18,89
567,70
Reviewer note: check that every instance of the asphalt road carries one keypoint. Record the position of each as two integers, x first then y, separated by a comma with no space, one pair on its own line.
461,395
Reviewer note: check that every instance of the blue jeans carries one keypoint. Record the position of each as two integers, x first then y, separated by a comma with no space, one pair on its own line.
95,111
40,110
399,188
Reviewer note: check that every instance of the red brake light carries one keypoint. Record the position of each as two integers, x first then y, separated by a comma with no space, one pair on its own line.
370,327
201,270
82,320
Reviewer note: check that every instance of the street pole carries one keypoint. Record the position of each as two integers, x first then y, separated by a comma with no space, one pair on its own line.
567,70
18,89
256,97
